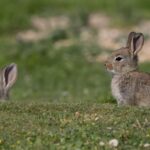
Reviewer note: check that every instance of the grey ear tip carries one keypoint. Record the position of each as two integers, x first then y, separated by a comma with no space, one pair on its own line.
142,34
136,33
132,33
139,35
13,65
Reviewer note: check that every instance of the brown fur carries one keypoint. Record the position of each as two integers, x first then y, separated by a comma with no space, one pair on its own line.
129,86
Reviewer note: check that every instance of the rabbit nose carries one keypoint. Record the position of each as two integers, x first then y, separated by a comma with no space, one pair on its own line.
109,66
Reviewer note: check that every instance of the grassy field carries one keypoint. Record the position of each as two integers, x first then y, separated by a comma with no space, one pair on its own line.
72,126
61,99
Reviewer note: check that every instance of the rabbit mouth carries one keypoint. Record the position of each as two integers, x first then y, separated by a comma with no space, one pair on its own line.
112,71
110,68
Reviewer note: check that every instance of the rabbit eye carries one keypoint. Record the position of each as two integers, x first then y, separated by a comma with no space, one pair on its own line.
119,58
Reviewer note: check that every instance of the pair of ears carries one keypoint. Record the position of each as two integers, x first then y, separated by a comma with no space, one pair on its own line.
9,74
135,42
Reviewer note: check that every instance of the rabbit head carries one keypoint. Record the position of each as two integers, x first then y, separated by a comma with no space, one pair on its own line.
125,59
8,76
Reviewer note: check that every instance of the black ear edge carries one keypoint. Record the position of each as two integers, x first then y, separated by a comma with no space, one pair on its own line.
136,37
133,35
130,37
7,70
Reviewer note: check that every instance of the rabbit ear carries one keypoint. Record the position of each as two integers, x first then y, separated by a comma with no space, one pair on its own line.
137,42
10,75
130,36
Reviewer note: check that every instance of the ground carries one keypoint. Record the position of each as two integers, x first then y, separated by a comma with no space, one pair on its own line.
62,98
73,126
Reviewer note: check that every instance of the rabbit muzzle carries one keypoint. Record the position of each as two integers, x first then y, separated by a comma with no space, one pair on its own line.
109,66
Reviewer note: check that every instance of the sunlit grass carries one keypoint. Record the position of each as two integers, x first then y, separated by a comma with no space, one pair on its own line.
39,125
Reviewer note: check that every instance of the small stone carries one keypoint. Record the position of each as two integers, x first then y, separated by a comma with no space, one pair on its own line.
97,118
101,143
113,143
146,145
109,128
77,114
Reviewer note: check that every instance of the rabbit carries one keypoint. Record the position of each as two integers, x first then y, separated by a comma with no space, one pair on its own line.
129,86
8,76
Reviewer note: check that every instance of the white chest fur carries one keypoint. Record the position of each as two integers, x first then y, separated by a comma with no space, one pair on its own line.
116,90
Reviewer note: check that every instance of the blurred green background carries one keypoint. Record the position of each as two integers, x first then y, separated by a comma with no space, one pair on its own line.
50,71
60,47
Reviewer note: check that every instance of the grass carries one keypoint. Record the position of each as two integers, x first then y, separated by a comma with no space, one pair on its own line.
72,126
15,15
56,74
61,99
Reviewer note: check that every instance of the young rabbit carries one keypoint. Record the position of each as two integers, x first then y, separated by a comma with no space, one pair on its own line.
8,76
129,86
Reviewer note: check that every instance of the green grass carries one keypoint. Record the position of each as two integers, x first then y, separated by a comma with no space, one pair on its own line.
72,126
56,74
15,15
61,99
